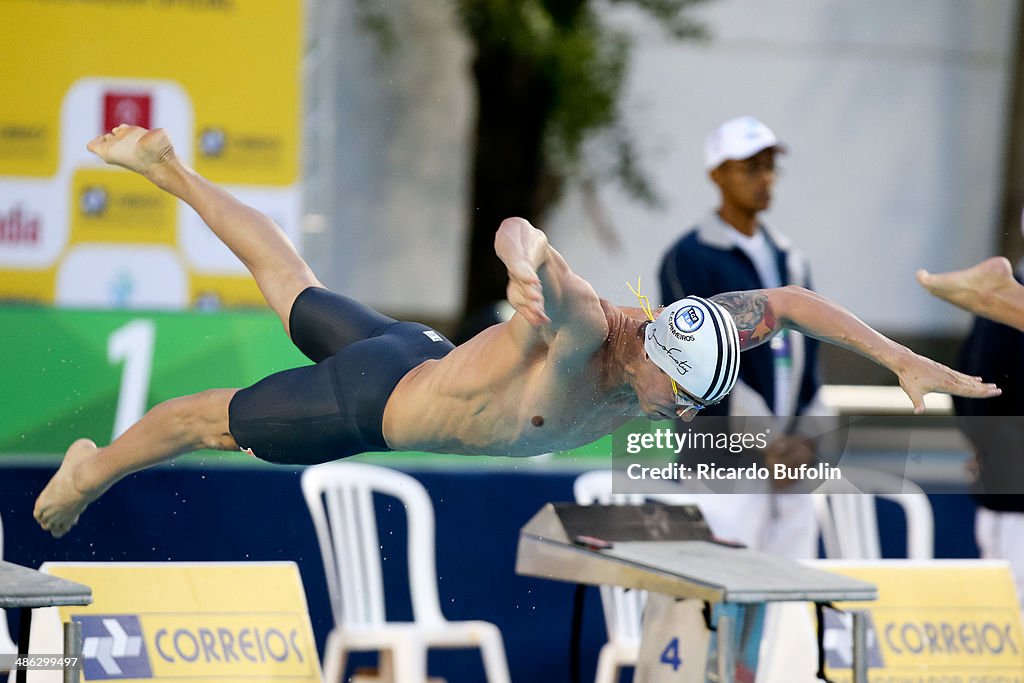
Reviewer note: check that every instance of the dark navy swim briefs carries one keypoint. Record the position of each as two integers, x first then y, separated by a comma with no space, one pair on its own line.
335,408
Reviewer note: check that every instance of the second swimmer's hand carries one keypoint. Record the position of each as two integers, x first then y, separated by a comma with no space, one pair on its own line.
919,376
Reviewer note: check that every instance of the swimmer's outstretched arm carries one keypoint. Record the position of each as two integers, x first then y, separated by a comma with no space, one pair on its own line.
761,313
254,238
987,289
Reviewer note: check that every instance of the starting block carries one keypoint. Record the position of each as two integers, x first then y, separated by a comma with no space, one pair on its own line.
707,597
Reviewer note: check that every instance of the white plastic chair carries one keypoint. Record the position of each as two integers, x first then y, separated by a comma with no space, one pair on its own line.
623,609
847,514
7,646
340,500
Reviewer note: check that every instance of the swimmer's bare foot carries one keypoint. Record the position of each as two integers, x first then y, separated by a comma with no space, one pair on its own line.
975,289
147,152
61,502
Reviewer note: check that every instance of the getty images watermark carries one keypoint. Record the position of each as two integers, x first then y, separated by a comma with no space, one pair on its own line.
814,454
712,472
669,440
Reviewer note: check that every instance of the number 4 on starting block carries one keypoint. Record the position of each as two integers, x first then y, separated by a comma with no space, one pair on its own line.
670,655
677,647
674,633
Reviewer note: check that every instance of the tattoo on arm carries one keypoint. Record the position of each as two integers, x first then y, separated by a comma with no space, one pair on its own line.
753,315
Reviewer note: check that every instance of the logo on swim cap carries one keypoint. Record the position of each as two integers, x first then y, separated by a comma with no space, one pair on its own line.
695,342
688,319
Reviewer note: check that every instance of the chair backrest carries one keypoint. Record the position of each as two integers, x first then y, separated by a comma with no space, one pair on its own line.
596,486
848,516
340,497
7,646
623,609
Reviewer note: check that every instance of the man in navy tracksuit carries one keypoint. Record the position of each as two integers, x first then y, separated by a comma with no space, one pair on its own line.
731,250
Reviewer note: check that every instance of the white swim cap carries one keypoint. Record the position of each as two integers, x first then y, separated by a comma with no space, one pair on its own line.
695,342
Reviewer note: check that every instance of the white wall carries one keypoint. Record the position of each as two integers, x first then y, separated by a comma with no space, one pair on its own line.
893,111
387,156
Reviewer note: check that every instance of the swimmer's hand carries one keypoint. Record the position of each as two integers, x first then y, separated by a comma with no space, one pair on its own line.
526,295
919,375
523,249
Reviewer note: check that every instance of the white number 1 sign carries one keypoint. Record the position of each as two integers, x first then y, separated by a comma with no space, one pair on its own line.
133,344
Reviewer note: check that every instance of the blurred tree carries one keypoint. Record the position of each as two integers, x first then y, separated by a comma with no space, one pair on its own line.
548,77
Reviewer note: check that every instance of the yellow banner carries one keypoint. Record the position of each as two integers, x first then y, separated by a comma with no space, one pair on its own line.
113,206
941,622
238,62
223,77
193,622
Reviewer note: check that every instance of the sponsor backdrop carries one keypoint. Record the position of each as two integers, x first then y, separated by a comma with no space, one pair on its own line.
257,513
77,233
946,621
70,374
77,373
942,621
187,622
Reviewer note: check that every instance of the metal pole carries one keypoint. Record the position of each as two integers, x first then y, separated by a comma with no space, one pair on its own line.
73,648
726,666
24,631
860,642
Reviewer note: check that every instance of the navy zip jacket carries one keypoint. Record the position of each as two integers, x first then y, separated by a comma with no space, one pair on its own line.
704,262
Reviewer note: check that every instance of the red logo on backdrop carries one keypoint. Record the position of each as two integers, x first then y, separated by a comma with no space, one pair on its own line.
19,226
130,108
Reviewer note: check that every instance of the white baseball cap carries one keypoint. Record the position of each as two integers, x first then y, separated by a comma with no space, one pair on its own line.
739,138
695,342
